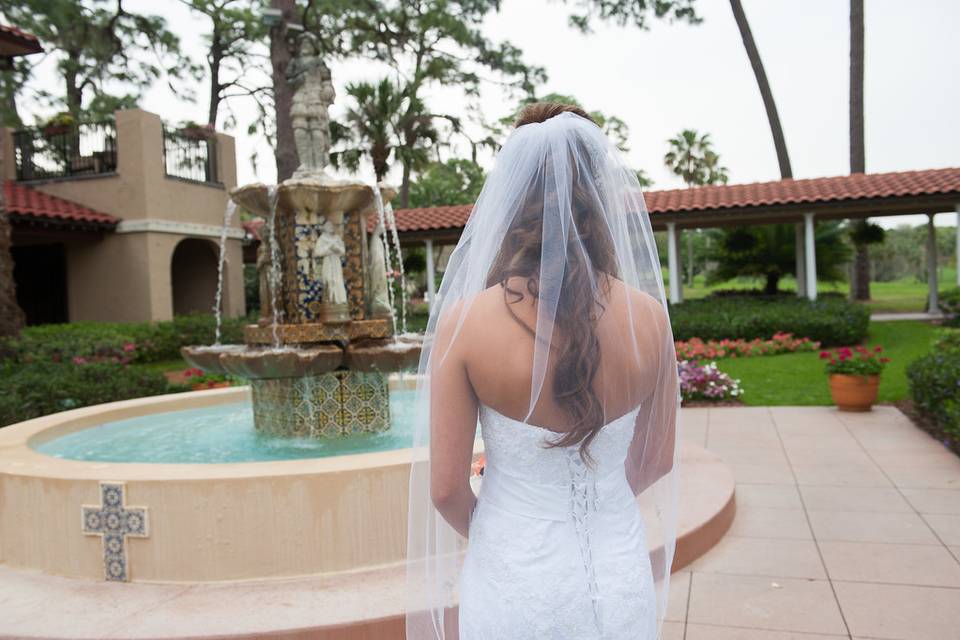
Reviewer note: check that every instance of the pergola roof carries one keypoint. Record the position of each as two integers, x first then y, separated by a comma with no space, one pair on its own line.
850,196
29,206
14,42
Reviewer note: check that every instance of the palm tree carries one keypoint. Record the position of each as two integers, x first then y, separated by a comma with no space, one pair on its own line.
767,251
370,126
691,156
779,142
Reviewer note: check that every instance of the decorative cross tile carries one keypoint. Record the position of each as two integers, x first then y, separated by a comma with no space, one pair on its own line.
113,521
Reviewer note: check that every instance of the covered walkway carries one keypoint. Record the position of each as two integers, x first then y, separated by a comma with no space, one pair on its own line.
800,202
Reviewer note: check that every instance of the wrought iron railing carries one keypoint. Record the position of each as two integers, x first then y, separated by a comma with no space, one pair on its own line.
190,156
65,151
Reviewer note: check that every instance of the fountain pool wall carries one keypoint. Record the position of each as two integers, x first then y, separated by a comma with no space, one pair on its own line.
207,522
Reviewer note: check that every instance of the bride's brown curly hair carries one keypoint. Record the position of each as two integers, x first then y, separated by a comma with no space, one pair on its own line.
590,259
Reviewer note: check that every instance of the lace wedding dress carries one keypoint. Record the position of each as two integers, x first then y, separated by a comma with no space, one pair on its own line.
552,304
556,549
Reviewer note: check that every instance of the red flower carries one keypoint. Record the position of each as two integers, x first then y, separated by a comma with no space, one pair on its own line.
824,355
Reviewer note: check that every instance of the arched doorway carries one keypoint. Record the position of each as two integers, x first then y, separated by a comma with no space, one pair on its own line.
193,276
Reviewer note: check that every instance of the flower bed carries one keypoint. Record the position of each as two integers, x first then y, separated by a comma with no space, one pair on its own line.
40,388
781,342
152,341
705,382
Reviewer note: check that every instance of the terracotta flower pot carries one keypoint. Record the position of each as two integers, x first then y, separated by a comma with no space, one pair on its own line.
854,393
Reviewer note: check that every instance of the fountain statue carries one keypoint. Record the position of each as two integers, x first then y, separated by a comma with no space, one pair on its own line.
312,97
320,355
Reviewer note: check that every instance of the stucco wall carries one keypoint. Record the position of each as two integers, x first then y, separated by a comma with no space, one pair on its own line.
126,276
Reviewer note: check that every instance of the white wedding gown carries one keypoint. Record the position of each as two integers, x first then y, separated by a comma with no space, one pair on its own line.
557,550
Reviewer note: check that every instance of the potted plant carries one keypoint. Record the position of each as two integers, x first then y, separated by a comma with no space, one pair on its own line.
57,125
854,376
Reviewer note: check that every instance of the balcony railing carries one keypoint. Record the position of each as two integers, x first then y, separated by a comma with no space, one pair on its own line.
190,156
65,151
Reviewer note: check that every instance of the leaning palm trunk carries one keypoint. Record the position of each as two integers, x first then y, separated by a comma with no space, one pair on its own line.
764,85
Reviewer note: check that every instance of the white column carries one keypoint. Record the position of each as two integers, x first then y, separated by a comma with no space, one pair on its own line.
798,253
933,304
810,253
431,276
673,266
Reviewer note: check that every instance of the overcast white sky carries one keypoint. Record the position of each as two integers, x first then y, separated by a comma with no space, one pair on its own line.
676,76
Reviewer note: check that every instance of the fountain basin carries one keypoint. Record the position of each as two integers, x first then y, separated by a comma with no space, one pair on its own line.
307,195
383,356
208,357
207,522
286,362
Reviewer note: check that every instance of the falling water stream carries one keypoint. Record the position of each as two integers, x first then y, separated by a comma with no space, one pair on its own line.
388,210
275,272
217,303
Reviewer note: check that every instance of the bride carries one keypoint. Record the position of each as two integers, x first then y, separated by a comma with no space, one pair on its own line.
551,330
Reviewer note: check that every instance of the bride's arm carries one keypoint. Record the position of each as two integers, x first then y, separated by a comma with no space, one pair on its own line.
453,424
652,451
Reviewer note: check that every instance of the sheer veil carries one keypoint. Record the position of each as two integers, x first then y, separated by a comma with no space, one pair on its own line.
563,212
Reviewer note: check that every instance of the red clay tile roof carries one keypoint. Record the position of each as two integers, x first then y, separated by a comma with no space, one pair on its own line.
737,196
24,43
24,203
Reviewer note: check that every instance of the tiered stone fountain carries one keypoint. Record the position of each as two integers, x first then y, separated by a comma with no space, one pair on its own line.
319,357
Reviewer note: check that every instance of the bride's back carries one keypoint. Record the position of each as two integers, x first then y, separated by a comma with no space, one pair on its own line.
497,342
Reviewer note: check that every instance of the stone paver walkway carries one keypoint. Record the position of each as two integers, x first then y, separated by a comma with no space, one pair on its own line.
907,315
847,526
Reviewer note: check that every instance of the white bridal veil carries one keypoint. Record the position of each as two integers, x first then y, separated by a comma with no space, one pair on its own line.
562,212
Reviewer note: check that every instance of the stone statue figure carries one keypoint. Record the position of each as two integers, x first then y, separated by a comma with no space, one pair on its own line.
313,95
326,264
264,267
377,274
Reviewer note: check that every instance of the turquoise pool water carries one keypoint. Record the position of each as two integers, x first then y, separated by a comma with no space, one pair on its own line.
223,433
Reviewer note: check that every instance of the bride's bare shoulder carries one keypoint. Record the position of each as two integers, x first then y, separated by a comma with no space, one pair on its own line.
634,297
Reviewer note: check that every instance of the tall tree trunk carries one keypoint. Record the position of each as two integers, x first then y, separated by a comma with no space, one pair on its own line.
216,60
857,153
405,186
860,284
773,117
280,56
11,316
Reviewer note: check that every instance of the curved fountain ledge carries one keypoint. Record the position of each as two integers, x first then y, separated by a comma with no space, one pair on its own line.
333,569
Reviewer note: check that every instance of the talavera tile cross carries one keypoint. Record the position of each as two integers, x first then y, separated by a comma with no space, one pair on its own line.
113,521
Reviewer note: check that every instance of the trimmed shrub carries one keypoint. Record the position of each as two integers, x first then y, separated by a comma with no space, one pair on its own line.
950,305
141,342
831,321
30,390
934,383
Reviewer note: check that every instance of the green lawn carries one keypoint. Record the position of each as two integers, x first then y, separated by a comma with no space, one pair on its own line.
798,378
906,294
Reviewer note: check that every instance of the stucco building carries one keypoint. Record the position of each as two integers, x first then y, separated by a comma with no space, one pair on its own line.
121,220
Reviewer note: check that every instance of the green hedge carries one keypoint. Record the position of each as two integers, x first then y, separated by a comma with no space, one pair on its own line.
152,341
934,383
832,321
30,390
